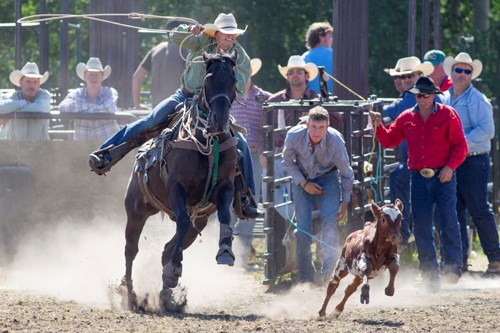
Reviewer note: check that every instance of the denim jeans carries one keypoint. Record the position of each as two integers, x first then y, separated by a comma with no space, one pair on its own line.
472,194
399,186
424,193
329,205
159,116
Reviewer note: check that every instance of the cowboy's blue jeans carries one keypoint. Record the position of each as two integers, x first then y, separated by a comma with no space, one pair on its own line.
399,186
472,194
159,116
424,193
329,205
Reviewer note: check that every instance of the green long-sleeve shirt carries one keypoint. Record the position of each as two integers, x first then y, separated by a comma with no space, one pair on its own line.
192,79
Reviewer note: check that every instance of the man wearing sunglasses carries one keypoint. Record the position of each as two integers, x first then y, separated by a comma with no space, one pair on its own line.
476,114
436,147
407,71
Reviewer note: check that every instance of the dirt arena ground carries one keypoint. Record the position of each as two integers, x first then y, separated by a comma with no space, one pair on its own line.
63,281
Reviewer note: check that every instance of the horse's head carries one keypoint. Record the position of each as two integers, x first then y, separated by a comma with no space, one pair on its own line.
219,89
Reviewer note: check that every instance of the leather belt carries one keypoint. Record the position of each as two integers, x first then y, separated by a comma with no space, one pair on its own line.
187,92
476,153
429,172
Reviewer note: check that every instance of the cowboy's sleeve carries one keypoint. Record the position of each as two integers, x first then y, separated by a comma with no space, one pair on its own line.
242,70
458,143
40,104
11,104
181,36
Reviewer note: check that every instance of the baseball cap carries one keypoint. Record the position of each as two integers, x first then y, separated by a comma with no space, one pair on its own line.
435,57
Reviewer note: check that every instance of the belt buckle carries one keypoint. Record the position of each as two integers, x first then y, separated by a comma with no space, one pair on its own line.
427,172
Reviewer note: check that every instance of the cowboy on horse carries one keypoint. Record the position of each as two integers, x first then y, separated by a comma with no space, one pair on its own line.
216,38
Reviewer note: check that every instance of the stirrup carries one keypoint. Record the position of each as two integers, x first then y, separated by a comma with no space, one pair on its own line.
238,207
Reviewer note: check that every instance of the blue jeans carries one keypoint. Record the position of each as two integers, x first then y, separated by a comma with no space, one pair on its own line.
472,194
329,205
425,192
399,186
159,116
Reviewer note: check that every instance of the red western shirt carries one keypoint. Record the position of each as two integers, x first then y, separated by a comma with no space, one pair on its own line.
438,142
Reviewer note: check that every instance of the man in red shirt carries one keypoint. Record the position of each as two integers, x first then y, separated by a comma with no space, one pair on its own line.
436,147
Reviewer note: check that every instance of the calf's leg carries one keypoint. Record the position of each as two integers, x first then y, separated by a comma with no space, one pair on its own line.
393,270
339,273
351,288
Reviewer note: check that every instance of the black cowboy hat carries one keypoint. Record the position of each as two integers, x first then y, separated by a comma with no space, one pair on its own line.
424,85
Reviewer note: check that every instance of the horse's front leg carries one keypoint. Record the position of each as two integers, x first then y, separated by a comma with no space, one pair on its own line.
172,271
225,194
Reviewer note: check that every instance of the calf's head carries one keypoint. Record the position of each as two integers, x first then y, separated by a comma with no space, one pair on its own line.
389,220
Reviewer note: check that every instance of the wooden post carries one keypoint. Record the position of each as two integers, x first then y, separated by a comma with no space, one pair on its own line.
18,40
350,44
116,46
412,24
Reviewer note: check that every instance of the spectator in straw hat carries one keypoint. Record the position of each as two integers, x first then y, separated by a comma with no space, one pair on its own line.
247,111
407,71
29,98
476,114
436,58
219,37
396,80
436,147
93,98
165,65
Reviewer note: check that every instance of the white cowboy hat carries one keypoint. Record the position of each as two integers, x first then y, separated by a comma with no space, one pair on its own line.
225,23
256,64
463,58
410,65
387,70
29,70
93,65
296,61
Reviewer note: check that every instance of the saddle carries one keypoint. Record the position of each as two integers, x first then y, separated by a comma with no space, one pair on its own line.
156,150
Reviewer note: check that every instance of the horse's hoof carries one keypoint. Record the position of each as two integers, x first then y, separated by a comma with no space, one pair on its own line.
225,256
171,275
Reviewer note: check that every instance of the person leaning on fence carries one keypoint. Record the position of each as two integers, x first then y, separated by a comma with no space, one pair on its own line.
319,39
315,156
165,65
29,98
408,70
473,174
436,147
93,98
216,38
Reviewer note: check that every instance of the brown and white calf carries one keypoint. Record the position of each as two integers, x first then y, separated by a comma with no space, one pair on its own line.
367,252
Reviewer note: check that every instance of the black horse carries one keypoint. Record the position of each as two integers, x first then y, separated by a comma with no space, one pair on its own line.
192,180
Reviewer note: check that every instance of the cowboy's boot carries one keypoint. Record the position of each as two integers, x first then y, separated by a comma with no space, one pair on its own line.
244,204
102,160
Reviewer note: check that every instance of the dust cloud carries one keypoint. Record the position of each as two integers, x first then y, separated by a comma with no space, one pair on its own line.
83,262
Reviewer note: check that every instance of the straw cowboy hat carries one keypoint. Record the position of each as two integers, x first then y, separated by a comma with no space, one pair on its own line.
296,61
410,65
387,70
425,85
463,58
93,65
29,70
256,64
225,23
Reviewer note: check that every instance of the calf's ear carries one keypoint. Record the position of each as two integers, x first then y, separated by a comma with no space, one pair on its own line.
399,204
375,209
